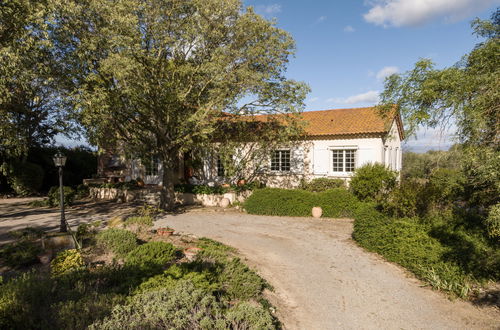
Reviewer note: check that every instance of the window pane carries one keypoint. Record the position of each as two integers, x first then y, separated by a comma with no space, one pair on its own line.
220,167
285,160
337,160
275,161
350,160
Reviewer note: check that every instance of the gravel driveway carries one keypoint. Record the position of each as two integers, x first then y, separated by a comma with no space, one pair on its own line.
323,280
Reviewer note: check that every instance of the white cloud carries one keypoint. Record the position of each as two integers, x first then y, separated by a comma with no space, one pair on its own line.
368,97
417,12
321,19
349,28
313,99
386,72
268,10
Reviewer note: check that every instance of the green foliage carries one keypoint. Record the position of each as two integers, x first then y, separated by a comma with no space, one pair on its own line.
448,256
152,255
240,282
200,189
66,262
446,185
421,165
409,199
322,184
54,196
82,191
20,254
285,202
141,221
24,177
245,315
119,241
372,181
27,233
492,222
148,211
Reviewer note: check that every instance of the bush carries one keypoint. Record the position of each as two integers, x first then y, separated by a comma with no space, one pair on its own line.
119,241
322,184
286,202
54,196
82,191
492,222
409,199
66,262
152,255
240,282
20,254
408,243
372,181
446,186
250,316
141,221
24,177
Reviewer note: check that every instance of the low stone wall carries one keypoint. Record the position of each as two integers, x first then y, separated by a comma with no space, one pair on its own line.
153,196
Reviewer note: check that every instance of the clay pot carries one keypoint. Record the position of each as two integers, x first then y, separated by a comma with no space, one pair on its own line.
241,182
165,231
191,252
317,212
225,185
225,202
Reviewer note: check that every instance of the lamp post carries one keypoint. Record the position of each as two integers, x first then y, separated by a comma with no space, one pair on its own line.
60,161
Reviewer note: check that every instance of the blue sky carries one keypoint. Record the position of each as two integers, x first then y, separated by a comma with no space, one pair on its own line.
346,48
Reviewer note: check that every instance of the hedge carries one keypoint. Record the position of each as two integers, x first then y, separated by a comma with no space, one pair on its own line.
298,203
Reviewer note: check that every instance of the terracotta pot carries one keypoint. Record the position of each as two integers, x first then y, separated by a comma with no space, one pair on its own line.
241,182
317,212
225,185
165,231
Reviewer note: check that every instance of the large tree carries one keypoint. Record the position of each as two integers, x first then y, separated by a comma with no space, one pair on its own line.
466,96
158,75
31,109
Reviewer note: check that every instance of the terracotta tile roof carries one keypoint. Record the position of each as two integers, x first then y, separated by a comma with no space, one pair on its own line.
346,122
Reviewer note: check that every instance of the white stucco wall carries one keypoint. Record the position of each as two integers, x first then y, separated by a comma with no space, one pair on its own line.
392,151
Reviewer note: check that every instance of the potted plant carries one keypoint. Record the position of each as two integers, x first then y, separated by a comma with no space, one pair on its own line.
191,252
165,231
241,182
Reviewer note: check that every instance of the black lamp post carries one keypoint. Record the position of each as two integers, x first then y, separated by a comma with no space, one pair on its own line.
60,161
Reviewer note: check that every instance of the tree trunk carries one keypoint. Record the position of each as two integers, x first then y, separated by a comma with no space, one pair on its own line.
168,193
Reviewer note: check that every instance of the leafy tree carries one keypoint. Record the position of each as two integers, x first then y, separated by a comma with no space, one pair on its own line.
465,95
30,109
156,76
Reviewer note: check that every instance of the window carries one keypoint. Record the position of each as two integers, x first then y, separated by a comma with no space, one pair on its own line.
152,166
343,160
280,161
220,167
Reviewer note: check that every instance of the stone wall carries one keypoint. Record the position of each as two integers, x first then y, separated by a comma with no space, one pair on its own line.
153,196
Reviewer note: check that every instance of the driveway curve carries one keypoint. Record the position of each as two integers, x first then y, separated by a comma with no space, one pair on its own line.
323,280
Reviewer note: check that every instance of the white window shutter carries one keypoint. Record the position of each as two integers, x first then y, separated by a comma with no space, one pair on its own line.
297,160
321,161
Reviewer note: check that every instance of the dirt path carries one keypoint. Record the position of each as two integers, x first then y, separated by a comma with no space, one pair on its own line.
323,280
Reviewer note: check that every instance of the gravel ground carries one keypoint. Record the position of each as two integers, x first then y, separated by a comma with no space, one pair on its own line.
323,280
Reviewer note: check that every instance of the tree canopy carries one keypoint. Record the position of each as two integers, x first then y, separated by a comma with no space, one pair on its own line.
157,75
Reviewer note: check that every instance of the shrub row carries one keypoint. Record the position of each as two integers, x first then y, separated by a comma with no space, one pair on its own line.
284,202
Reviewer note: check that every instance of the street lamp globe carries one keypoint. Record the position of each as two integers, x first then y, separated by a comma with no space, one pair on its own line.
59,159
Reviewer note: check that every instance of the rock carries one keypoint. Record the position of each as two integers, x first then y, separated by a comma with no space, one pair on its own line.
225,202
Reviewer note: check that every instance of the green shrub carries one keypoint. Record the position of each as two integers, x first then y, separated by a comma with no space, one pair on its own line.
372,181
54,196
245,315
24,177
119,241
240,282
152,255
67,261
148,211
446,185
20,254
286,202
322,184
141,221
184,307
82,191
492,222
27,233
408,243
409,199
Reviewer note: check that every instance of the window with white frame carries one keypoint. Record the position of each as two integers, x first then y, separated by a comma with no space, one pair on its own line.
220,167
152,166
343,160
280,161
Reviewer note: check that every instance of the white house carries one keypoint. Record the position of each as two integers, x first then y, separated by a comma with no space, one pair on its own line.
336,143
